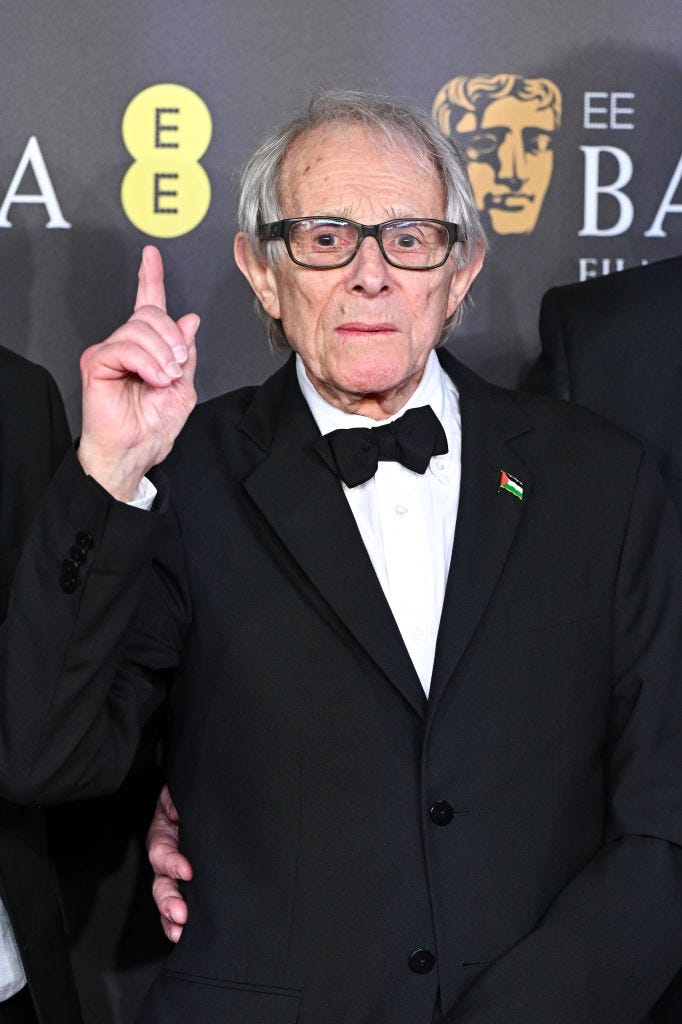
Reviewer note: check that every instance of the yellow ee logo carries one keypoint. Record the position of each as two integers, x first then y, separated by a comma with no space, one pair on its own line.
166,129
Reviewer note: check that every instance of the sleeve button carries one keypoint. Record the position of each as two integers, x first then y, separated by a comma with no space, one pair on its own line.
68,582
78,554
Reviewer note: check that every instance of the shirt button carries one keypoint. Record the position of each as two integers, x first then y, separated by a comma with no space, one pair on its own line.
441,813
400,510
416,636
421,961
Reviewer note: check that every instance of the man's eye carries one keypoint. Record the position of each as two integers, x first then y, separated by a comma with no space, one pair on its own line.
406,242
326,240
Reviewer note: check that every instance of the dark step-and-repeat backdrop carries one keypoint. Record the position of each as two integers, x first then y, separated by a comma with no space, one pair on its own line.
126,123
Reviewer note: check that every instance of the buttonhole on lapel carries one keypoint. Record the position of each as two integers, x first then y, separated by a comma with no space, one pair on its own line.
475,963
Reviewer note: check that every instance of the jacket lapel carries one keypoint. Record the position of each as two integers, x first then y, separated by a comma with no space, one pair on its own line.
303,501
487,518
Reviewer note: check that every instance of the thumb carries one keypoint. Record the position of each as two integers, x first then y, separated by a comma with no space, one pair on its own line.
189,325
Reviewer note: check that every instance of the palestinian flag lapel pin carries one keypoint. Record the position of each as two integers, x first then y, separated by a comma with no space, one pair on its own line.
511,484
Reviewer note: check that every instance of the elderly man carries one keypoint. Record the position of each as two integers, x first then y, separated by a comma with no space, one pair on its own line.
420,636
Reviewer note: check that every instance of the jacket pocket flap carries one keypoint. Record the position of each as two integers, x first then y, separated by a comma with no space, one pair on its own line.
558,609
177,998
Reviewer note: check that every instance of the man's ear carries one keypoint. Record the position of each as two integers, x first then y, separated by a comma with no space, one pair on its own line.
258,273
462,281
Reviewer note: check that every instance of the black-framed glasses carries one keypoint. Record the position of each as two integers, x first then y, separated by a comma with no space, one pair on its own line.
324,243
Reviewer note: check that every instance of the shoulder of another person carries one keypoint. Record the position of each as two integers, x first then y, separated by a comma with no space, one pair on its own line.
20,369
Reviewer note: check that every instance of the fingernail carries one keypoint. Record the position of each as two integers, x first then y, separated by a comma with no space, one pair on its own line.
173,370
180,353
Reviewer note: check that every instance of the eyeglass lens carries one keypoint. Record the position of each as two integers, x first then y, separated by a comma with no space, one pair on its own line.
321,242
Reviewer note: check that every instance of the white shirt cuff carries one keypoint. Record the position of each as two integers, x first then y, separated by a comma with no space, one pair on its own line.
144,495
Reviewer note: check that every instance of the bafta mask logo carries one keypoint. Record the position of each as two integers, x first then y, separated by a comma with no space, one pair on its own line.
505,125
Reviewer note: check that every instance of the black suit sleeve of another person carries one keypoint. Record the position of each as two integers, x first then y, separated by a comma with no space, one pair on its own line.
591,959
34,436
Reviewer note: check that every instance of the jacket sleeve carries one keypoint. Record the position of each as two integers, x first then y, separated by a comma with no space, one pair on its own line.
85,655
612,939
34,437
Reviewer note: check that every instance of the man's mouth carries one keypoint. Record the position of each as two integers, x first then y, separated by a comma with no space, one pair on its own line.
360,327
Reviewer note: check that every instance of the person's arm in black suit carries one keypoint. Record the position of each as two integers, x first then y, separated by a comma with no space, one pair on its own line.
34,436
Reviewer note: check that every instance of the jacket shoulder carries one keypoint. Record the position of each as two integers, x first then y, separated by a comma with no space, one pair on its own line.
555,420
21,372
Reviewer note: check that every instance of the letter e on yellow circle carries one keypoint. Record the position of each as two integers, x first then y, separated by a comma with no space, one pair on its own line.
166,129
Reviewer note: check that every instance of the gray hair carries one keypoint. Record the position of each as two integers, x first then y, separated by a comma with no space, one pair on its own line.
259,192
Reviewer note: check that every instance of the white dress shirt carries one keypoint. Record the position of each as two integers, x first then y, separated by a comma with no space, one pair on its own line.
406,519
12,977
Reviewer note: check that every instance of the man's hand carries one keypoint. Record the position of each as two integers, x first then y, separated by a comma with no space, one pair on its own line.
168,865
138,388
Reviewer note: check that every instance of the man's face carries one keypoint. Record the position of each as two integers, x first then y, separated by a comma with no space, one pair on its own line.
509,147
363,331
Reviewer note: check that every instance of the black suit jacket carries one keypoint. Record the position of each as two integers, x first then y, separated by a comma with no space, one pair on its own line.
33,438
614,344
523,825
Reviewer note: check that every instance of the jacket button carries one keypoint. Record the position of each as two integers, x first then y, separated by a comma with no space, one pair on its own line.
421,961
84,539
77,554
441,813
68,582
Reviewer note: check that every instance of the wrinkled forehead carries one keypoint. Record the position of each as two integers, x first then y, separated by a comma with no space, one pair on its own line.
349,160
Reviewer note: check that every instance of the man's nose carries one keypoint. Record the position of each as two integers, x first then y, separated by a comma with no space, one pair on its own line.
512,170
369,271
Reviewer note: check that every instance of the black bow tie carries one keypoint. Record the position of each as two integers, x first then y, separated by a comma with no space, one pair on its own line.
354,453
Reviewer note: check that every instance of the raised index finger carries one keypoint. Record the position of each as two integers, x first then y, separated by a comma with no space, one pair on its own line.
150,289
